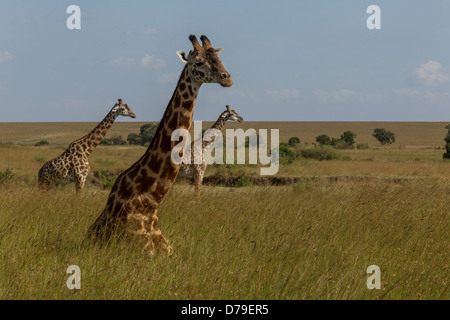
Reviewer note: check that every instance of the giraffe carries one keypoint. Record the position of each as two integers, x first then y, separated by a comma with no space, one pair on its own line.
199,169
138,192
72,164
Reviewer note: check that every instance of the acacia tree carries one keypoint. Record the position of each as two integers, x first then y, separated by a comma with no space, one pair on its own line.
147,131
383,136
446,155
323,139
348,137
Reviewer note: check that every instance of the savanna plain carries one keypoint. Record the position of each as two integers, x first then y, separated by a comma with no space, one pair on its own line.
310,239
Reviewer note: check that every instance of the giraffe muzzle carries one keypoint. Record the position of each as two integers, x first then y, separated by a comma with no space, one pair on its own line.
225,79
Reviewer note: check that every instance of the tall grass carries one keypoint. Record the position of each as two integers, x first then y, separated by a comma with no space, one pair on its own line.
309,241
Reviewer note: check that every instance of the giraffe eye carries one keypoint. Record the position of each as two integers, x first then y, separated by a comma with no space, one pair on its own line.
199,64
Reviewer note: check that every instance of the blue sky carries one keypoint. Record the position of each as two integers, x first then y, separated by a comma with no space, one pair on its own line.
289,60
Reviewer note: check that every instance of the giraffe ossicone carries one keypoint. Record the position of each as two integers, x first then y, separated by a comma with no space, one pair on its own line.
138,192
73,164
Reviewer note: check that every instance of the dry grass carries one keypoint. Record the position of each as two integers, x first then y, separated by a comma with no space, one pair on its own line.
312,240
309,241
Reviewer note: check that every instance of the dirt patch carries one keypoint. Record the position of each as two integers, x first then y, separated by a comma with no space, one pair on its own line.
284,181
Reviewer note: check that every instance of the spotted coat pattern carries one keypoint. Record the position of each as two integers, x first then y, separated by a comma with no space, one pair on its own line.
189,164
138,192
72,164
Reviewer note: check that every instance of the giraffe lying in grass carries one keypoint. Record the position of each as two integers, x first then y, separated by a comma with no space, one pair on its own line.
199,169
138,193
72,164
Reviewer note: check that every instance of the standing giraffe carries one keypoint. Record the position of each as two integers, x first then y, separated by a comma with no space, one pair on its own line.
133,203
72,164
199,169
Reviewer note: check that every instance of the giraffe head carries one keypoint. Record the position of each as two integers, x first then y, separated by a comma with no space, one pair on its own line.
231,115
203,63
122,109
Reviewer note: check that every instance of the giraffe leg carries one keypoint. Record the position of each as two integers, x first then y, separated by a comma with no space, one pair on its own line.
198,177
146,230
80,178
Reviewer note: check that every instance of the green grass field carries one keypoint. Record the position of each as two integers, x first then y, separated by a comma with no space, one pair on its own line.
310,240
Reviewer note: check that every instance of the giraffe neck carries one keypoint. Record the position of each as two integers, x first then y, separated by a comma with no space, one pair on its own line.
93,138
178,115
218,125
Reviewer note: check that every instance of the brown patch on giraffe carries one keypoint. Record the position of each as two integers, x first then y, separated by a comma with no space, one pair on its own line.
185,95
185,121
174,120
177,100
169,170
182,87
160,192
188,105
155,163
143,181
166,142
125,188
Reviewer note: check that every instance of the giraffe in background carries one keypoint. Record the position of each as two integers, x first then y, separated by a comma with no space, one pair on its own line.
72,164
199,169
138,192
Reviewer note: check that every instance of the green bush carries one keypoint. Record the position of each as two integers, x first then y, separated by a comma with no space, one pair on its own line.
341,144
286,155
113,141
41,143
293,141
107,182
446,155
362,146
243,182
320,153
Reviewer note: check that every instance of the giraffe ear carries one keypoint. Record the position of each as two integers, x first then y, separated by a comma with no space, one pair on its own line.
219,51
182,55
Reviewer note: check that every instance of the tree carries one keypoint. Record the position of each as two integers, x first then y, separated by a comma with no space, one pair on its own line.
348,137
293,141
113,141
383,136
323,139
446,155
134,138
146,134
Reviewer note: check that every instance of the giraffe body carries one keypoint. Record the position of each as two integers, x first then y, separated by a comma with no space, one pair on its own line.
199,168
137,194
73,164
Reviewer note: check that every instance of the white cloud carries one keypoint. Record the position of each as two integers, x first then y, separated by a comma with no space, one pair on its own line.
283,94
122,62
6,56
149,31
150,61
430,73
